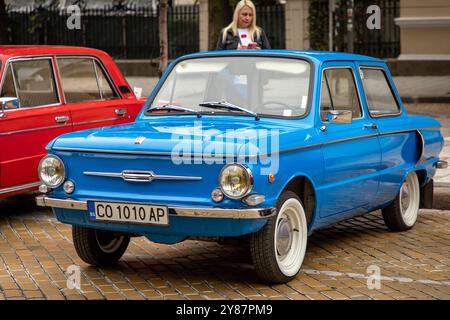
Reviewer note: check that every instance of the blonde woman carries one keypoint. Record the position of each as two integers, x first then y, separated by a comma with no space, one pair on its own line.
242,32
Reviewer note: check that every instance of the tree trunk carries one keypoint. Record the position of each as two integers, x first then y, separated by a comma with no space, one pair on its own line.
220,15
163,42
4,39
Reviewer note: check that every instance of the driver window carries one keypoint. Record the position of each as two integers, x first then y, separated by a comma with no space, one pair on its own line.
35,83
339,93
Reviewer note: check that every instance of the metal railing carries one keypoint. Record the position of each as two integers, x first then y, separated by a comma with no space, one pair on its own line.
382,43
127,33
272,20
124,34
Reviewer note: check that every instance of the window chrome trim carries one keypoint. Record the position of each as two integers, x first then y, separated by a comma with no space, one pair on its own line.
363,114
27,108
16,59
21,187
105,71
96,79
14,82
388,81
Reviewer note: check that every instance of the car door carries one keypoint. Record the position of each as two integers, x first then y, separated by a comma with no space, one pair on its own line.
91,96
397,146
26,130
351,150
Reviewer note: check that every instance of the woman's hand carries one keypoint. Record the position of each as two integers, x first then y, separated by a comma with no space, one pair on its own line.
251,46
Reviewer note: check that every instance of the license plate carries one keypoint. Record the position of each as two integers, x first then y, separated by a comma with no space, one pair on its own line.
128,212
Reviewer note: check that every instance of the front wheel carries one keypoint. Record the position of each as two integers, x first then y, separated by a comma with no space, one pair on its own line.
99,247
278,249
402,213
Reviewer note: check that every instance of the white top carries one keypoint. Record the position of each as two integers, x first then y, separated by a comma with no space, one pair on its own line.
244,36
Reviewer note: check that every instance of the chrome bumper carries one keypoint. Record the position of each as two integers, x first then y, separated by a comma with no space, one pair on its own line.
441,164
251,213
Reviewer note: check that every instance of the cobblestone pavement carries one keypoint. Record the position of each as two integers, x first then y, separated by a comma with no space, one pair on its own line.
36,250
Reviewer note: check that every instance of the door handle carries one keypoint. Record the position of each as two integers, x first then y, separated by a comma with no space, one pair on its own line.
120,111
373,126
61,119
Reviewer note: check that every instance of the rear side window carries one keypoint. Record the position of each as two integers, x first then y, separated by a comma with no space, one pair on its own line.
34,83
379,96
83,80
106,90
339,93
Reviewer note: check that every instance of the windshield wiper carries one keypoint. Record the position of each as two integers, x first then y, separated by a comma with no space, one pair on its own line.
176,108
227,105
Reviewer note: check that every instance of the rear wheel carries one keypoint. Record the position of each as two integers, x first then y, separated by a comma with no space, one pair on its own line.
99,247
402,213
278,249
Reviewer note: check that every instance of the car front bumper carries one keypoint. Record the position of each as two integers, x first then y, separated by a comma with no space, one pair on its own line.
247,213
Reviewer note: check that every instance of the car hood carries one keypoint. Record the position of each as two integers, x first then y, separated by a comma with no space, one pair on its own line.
227,135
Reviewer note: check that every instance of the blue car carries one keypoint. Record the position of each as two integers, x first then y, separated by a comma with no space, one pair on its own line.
260,146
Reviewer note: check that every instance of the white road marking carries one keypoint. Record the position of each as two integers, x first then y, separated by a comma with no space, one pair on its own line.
364,276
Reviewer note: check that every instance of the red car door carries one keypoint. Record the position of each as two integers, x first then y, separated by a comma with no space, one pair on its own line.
26,130
91,95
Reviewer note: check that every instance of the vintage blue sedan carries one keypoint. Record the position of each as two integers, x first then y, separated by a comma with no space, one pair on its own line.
262,146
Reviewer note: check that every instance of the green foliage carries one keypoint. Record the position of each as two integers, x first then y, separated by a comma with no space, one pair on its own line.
318,24
40,16
38,20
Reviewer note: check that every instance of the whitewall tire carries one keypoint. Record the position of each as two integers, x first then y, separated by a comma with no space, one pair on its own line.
402,213
278,249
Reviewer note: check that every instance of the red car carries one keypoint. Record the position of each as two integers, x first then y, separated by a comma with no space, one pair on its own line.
57,89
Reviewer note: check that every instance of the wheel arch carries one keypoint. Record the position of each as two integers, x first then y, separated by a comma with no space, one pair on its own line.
303,186
421,173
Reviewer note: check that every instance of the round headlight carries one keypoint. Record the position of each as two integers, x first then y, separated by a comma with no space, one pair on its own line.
236,180
51,171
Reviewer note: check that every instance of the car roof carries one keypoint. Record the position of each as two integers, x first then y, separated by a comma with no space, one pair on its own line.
33,50
319,56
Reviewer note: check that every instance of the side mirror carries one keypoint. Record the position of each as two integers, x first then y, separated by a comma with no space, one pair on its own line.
8,103
340,116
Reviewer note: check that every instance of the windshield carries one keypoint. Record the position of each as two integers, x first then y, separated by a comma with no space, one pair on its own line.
264,85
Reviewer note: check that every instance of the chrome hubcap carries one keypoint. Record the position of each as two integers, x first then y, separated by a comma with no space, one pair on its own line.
410,199
284,237
405,197
290,237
